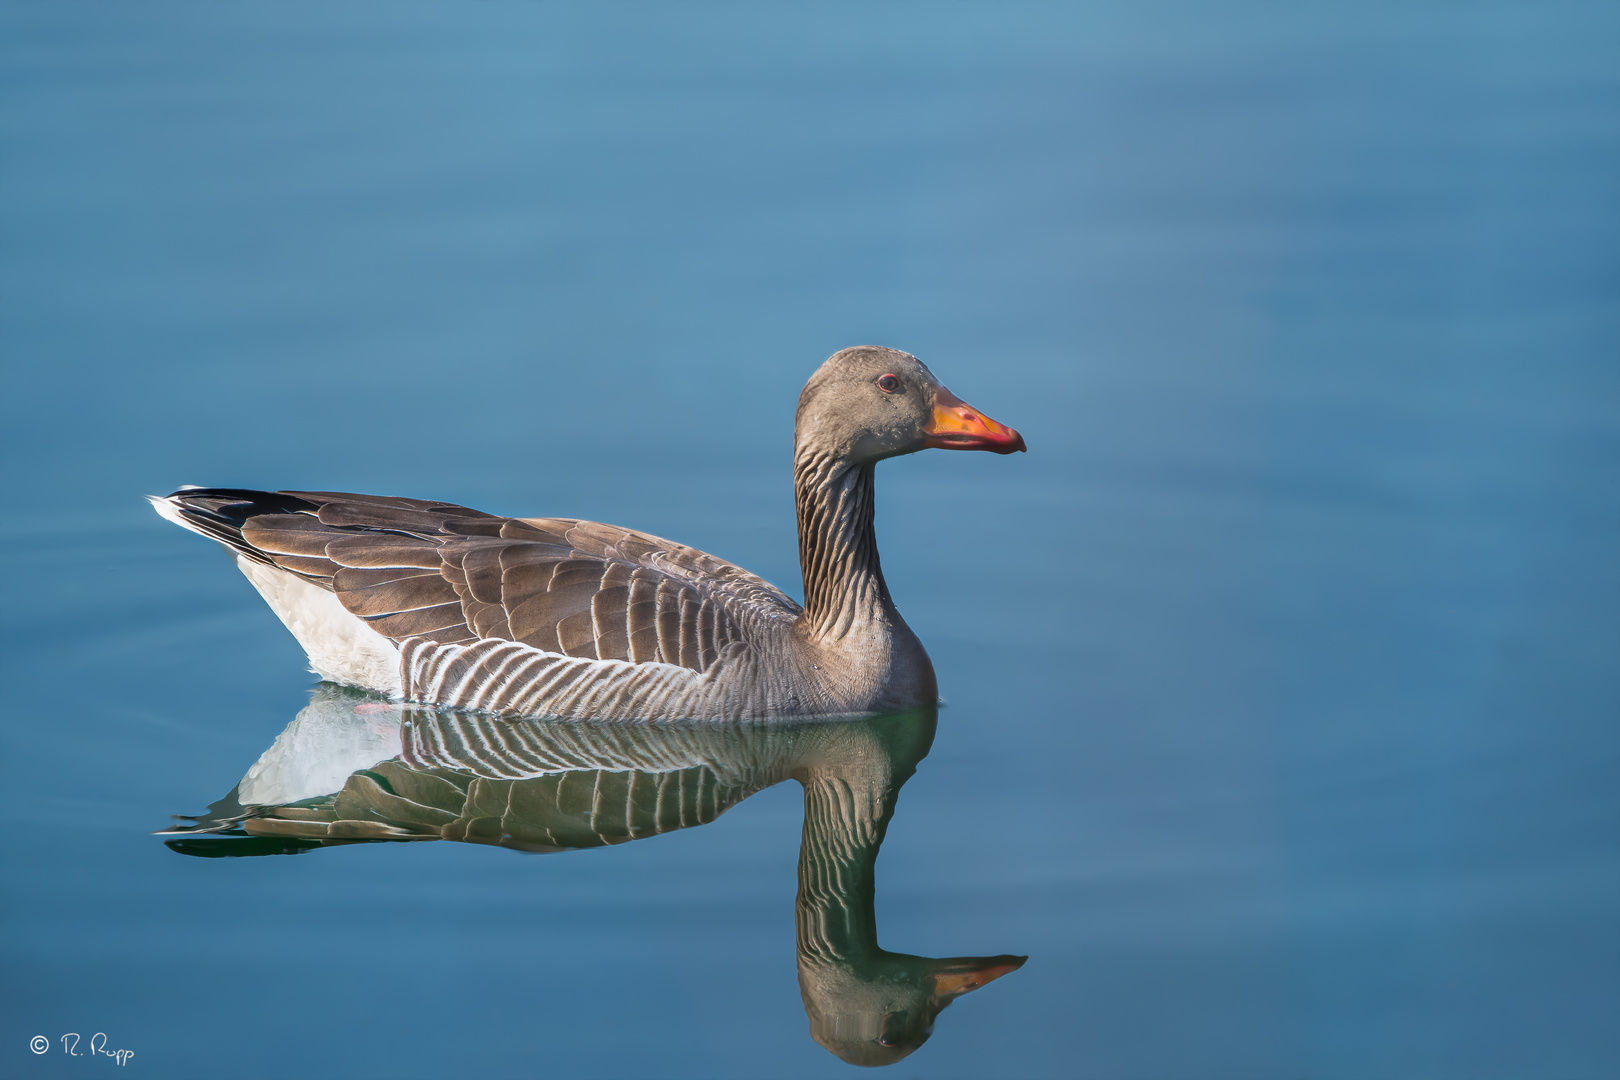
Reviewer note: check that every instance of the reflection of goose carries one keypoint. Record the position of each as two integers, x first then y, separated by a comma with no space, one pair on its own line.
433,602
556,785
867,1005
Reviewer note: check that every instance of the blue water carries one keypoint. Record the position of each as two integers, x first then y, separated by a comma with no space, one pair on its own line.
1281,673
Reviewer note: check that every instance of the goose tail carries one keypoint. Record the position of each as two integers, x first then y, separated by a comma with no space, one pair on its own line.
220,513
342,646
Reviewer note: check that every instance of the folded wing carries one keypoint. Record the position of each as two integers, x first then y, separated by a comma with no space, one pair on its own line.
450,575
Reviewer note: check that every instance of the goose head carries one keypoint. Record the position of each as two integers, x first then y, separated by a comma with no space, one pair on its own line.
869,403
878,1010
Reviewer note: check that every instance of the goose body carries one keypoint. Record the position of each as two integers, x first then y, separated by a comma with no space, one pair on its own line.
437,603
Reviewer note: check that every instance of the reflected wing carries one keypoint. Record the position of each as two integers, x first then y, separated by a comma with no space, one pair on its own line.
554,812
418,569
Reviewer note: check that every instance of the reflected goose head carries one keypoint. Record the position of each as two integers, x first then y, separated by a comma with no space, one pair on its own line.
869,403
879,1011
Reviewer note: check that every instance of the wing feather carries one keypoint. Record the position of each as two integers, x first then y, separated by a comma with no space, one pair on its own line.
608,620
378,550
287,534
443,623
414,568
576,634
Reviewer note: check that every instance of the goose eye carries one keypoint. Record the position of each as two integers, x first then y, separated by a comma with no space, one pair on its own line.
888,383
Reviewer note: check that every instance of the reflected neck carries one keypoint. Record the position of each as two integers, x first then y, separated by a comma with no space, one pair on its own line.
843,582
844,823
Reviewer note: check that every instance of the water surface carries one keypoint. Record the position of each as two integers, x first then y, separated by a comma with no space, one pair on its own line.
1280,674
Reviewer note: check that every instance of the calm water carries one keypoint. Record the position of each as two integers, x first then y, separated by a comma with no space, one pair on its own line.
1281,674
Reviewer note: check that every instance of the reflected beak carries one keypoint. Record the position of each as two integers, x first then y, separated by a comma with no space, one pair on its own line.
956,425
970,974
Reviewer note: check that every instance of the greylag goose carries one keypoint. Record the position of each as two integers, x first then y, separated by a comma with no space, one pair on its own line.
432,602
550,786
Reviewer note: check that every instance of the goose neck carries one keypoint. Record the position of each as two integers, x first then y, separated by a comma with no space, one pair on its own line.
844,589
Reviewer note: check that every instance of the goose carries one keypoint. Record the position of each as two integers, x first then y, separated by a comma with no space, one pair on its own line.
548,786
435,603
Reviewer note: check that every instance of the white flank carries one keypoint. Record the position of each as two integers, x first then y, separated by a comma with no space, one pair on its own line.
341,646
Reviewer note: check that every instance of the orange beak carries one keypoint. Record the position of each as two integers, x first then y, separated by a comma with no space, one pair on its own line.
956,425
970,973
